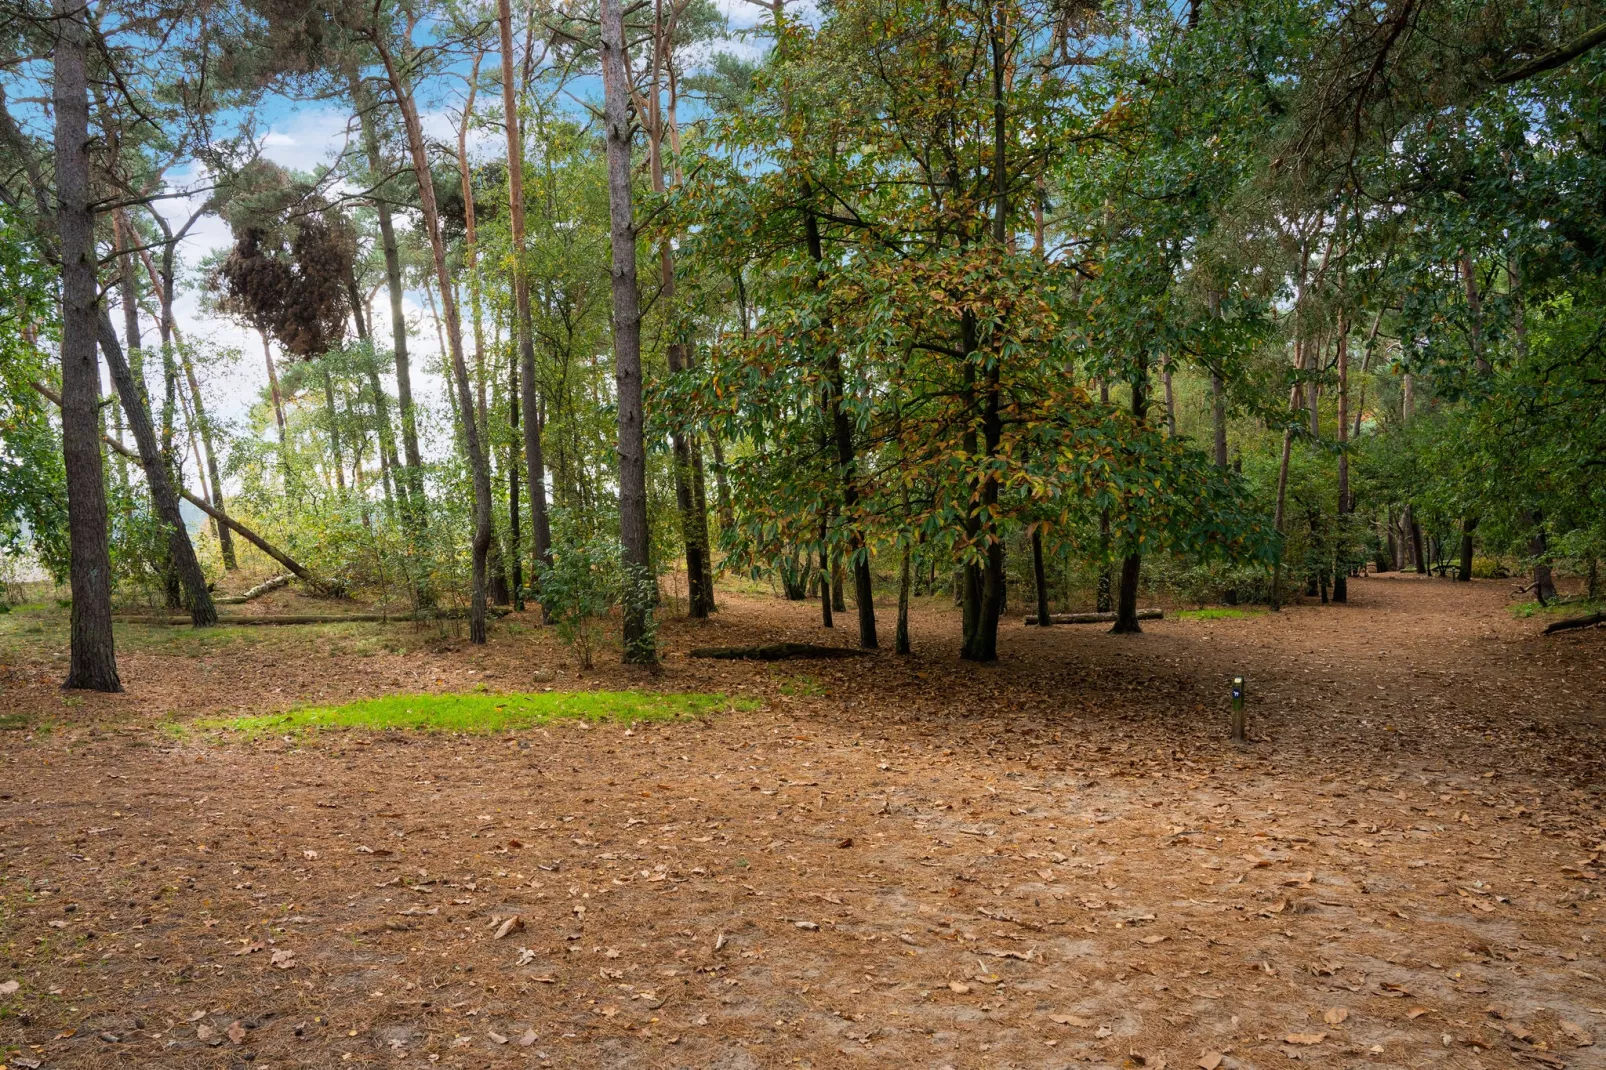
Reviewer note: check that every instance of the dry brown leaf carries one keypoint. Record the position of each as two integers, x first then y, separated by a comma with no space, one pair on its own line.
1072,1019
511,925
959,986
236,1033
284,958
1305,1038
1335,1015
1416,1012
8,987
1210,1060
1577,1033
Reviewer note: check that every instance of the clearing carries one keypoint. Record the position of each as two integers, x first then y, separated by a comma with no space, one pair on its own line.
1055,861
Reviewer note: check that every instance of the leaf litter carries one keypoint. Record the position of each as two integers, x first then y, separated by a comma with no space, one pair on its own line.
1010,827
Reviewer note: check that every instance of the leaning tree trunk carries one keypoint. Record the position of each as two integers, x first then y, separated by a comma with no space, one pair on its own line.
478,467
163,496
93,661
626,340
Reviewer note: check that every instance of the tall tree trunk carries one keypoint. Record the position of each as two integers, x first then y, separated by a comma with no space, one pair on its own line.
693,522
1170,404
1416,542
825,582
381,406
333,413
410,486
514,538
1103,600
1040,576
1126,602
841,430
1341,572
478,466
273,388
626,338
536,472
224,535
900,639
1282,468
1468,525
982,641
92,662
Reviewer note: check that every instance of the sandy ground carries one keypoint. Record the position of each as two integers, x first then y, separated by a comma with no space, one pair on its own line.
1056,861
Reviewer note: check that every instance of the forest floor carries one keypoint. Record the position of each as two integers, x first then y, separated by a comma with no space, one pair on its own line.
1058,860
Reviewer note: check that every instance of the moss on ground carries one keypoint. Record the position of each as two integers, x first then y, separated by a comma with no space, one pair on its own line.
476,713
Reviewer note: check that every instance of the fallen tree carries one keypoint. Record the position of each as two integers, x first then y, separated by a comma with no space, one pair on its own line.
1093,618
202,504
777,652
1576,622
258,591
308,618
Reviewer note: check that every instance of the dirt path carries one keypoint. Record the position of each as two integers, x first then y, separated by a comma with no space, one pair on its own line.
1054,861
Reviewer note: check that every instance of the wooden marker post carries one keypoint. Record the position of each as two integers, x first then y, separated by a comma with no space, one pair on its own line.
1238,709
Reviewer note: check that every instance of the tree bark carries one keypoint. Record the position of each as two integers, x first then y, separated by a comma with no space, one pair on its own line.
1103,600
478,467
163,496
536,472
1468,525
900,639
92,662
1341,571
1040,576
841,430
410,486
1126,604
626,336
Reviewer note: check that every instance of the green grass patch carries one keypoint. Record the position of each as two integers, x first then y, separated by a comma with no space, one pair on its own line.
1217,613
15,722
1570,608
479,713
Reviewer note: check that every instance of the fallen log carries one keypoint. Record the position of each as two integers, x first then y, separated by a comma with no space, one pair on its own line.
776,652
216,514
1575,622
1093,618
256,592
309,618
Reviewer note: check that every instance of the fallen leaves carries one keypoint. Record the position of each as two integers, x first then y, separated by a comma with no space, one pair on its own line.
1210,1060
1305,1038
1335,1015
960,987
284,958
1072,1019
515,924
8,987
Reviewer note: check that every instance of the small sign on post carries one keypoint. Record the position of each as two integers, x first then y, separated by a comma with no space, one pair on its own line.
1238,709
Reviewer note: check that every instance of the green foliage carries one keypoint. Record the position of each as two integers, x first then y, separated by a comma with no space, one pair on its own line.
33,497
583,582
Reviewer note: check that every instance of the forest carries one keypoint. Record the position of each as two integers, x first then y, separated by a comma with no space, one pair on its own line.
422,408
